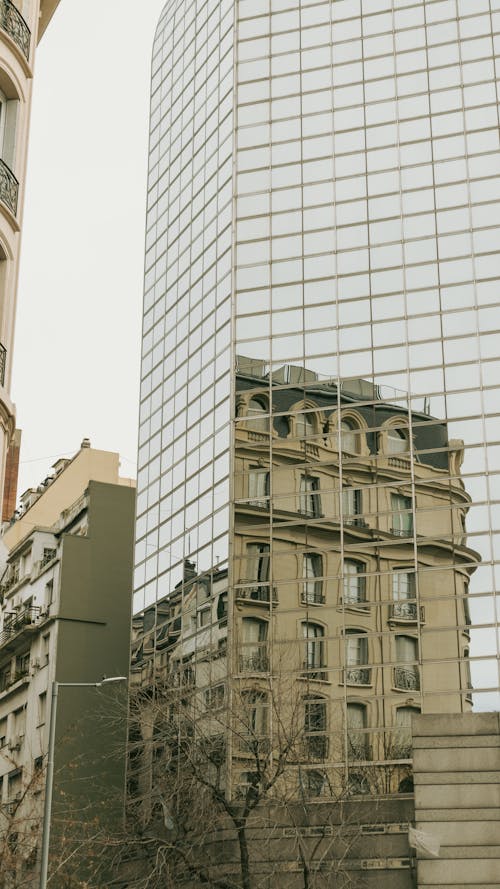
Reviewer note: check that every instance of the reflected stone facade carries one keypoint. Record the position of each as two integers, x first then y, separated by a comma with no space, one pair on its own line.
319,409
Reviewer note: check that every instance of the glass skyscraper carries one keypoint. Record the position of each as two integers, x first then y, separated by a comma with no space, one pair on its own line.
319,455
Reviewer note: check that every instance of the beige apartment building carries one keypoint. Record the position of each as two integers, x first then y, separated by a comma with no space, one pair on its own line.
22,24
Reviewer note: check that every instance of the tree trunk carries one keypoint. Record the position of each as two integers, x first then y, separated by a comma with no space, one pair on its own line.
244,857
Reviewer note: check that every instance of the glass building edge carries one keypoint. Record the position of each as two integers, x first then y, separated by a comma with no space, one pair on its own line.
365,341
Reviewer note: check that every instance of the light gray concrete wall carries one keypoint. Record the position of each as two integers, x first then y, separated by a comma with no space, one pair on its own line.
456,762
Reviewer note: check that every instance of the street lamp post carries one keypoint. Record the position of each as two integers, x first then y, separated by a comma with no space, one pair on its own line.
49,781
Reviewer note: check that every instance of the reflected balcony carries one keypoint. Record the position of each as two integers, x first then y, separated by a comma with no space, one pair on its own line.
9,188
254,658
261,593
407,612
315,747
357,676
407,678
12,22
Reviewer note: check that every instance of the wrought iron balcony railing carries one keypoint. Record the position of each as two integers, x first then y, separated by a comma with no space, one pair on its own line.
313,595
260,593
15,623
407,678
3,364
254,662
357,675
407,611
9,187
315,746
12,22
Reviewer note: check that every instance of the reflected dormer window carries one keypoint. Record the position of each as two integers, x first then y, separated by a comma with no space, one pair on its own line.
258,421
397,441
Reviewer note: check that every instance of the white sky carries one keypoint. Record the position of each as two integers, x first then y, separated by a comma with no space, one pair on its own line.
76,362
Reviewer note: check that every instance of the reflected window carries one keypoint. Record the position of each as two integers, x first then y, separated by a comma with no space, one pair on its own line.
357,739
402,517
312,571
258,421
354,583
313,782
404,605
310,500
304,425
258,486
406,673
351,506
356,657
315,739
258,563
397,441
254,720
254,653
402,743
349,438
314,660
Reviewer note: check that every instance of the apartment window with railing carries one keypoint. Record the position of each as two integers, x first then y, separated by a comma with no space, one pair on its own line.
312,585
257,564
404,605
315,727
258,421
406,673
402,517
401,747
357,671
258,487
254,648
354,584
309,498
254,720
314,650
351,506
357,739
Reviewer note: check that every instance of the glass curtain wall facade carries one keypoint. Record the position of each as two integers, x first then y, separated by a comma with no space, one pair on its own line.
319,452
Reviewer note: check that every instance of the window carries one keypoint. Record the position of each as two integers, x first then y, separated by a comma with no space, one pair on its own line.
312,587
313,782
256,412
45,647
204,616
5,674
309,501
357,739
215,697
20,722
351,506
356,658
3,733
349,438
315,738
257,571
22,665
222,610
314,660
397,441
406,675
254,655
254,720
304,424
15,785
354,583
402,743
403,592
42,707
468,677
258,487
402,518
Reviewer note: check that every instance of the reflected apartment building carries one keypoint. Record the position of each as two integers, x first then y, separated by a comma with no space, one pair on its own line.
323,199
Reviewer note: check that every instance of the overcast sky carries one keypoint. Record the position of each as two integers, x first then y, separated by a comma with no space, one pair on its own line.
76,363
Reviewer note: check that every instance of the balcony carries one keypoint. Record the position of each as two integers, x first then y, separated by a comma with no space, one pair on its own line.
24,620
407,612
12,22
313,596
254,658
402,532
358,747
9,187
357,676
259,593
407,678
315,747
314,670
